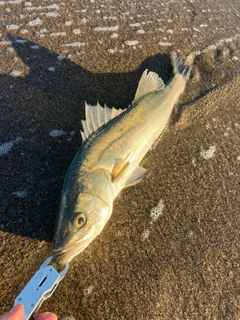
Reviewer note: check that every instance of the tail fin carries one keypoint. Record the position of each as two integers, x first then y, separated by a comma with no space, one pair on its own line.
179,67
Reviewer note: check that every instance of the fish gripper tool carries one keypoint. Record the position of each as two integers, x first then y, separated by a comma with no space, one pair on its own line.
39,288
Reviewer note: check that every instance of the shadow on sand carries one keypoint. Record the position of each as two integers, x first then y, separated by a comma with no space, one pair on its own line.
33,106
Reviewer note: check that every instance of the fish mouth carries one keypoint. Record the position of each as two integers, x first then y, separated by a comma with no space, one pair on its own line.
65,254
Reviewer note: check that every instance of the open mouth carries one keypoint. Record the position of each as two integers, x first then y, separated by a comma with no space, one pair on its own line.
65,253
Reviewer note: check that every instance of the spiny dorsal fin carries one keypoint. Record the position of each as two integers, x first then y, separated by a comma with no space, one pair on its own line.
149,82
97,116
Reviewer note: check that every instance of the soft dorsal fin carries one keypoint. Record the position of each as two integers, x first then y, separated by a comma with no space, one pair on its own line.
97,116
149,82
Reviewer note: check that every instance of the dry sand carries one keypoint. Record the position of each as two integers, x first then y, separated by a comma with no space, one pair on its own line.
171,247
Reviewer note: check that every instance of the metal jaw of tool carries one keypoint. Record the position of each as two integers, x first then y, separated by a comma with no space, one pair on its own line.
39,288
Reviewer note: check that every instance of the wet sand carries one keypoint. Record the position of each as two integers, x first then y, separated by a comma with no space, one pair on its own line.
171,248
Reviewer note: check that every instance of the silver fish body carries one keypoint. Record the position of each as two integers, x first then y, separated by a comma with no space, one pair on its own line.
115,141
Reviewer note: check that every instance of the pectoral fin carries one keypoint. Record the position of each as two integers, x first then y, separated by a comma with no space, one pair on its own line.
119,167
136,176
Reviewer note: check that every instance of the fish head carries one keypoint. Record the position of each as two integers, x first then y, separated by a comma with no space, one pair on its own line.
81,218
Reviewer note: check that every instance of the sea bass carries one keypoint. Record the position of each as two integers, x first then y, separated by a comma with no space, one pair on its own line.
114,143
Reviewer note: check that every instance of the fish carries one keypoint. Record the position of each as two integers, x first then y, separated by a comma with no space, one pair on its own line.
114,143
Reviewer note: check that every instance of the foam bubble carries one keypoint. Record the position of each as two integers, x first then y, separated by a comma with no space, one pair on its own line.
137,24
34,22
156,211
21,194
6,147
109,18
74,44
131,42
207,153
5,43
145,234
111,50
165,44
84,20
194,162
58,34
113,35
42,30
50,14
76,31
24,31
68,23
10,49
15,73
52,6
30,8
21,41
196,29
12,26
60,58
88,290
109,28
203,25
57,133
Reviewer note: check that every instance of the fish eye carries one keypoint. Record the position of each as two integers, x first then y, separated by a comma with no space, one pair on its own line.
79,220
